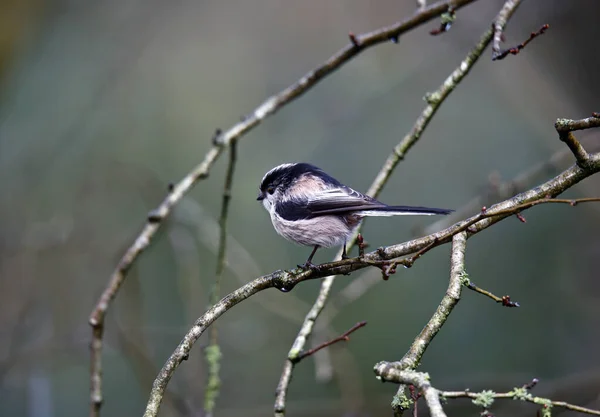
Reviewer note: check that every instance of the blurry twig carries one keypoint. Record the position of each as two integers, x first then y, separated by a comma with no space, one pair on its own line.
221,141
213,352
514,50
342,338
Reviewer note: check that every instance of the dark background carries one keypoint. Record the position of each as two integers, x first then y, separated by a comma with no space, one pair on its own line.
103,103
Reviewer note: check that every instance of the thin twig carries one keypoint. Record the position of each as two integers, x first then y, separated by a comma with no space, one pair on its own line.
514,50
504,300
434,102
342,338
484,399
500,23
521,394
414,396
222,140
213,352
286,280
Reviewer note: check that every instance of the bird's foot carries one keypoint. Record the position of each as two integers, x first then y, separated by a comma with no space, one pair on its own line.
309,266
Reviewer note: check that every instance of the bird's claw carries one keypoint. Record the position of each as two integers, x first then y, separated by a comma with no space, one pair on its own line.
309,266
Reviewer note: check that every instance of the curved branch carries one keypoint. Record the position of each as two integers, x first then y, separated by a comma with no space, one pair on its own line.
213,352
484,399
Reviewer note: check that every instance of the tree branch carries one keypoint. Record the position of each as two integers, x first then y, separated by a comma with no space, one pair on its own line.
222,140
342,338
504,300
514,50
213,352
521,394
484,399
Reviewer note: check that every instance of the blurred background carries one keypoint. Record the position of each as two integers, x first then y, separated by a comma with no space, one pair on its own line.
104,103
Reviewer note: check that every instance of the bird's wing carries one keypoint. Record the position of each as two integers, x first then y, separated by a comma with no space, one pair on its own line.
341,200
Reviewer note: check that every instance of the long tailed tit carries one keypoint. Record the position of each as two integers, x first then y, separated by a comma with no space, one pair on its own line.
311,208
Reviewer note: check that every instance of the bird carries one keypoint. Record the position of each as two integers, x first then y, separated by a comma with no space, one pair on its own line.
309,207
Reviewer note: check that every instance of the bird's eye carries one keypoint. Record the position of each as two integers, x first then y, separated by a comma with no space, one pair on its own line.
270,190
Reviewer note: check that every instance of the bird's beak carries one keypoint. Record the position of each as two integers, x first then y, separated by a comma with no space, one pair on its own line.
261,196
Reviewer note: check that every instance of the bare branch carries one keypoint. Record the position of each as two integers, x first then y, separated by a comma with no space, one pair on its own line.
213,352
342,338
484,399
514,50
521,394
504,300
221,140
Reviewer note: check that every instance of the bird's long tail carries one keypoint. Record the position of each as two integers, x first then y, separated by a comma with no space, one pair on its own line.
404,211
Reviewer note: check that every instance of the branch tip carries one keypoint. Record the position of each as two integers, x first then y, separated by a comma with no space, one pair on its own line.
342,338
498,55
520,217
